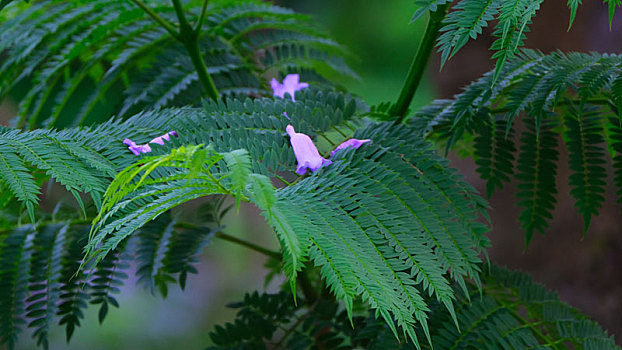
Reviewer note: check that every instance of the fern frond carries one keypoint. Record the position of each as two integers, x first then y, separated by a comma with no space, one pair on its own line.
45,284
514,16
77,63
584,134
584,89
15,257
512,313
78,167
517,313
494,154
152,247
406,229
537,164
465,21
41,284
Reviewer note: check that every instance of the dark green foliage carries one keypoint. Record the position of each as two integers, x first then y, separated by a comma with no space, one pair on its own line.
46,279
87,60
80,167
576,95
512,313
83,160
584,136
415,215
392,235
615,137
537,164
265,319
468,18
15,256
494,154
41,283
259,317
516,313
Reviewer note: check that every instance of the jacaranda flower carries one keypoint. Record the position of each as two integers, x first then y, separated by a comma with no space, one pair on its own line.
306,153
290,85
138,149
350,143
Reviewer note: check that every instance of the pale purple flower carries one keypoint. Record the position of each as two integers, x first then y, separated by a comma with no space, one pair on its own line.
290,85
350,143
138,149
306,153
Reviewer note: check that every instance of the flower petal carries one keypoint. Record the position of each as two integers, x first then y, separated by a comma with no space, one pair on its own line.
291,84
138,149
356,143
305,151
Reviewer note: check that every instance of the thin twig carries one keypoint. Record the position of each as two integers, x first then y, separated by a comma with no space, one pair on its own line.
164,23
197,28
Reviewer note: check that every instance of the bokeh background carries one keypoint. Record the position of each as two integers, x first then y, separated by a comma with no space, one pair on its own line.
585,271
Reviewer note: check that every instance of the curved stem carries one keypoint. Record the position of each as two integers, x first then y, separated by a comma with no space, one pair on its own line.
164,23
190,38
199,24
417,67
249,245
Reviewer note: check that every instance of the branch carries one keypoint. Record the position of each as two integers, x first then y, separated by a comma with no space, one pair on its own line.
249,245
417,67
199,23
190,38
229,238
164,23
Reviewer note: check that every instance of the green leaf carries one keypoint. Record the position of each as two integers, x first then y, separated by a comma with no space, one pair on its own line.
612,9
573,5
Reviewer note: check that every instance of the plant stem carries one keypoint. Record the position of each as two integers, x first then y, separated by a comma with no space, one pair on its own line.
249,245
190,38
164,23
197,28
419,63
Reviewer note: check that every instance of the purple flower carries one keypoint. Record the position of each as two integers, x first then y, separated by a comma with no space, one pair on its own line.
290,85
138,149
306,153
350,143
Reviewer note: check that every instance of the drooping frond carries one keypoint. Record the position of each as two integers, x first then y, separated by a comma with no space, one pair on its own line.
79,63
468,18
465,22
512,313
584,137
79,167
494,154
537,168
83,160
41,284
406,228
573,95
515,312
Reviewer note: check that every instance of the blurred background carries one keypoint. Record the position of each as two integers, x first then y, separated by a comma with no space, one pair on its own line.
585,271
